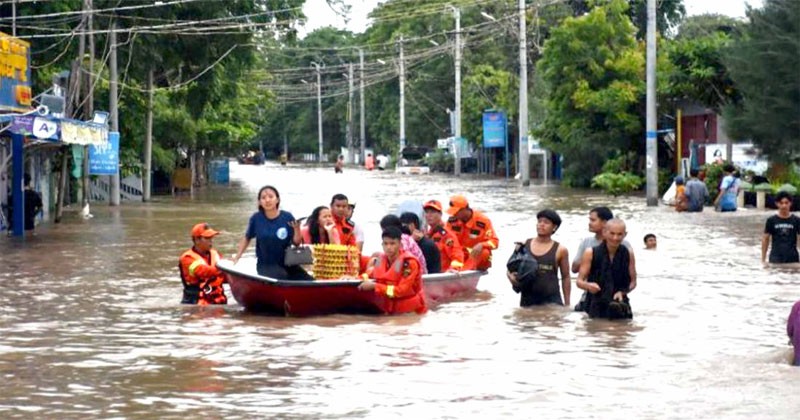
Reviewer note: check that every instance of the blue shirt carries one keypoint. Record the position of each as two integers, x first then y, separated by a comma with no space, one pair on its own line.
730,189
273,236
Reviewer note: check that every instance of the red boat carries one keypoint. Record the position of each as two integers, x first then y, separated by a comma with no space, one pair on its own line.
320,297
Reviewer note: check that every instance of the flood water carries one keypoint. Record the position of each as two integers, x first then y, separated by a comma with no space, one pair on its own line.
91,327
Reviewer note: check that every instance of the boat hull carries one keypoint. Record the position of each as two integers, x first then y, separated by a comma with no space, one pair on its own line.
321,297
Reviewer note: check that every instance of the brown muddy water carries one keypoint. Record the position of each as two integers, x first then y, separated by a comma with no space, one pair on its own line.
91,327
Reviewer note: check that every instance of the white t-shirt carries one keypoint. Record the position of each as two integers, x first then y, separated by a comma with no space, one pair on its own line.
592,242
359,233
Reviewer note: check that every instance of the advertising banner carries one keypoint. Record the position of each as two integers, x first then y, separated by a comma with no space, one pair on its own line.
15,74
494,129
38,127
104,158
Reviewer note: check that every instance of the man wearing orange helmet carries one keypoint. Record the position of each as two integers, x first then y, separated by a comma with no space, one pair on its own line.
474,231
450,250
202,280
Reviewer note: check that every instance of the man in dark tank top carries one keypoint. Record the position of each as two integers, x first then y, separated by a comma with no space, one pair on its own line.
552,257
608,273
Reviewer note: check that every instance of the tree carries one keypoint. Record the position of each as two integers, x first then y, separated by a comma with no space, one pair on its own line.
699,73
487,87
595,74
764,64
669,13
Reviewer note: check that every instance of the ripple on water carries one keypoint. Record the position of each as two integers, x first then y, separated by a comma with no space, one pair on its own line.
95,329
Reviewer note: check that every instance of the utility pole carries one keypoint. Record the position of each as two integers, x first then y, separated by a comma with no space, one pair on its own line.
88,104
319,110
350,114
112,108
14,18
524,157
650,141
457,117
79,93
148,140
363,136
402,97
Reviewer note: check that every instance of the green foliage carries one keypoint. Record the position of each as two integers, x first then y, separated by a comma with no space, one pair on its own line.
764,63
486,87
668,13
617,183
713,176
700,26
595,73
665,178
439,161
698,72
205,96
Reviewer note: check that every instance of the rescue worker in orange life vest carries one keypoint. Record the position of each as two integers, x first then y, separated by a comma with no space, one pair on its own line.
202,280
450,251
396,277
340,207
474,231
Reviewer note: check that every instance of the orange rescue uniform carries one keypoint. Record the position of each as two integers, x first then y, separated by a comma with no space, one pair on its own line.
399,284
346,229
450,250
202,280
477,230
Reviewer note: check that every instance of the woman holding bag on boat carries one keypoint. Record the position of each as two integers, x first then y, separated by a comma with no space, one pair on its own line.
274,231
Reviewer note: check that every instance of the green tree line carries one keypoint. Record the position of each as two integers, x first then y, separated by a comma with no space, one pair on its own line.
235,75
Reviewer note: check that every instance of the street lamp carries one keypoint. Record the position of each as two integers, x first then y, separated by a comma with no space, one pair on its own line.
488,16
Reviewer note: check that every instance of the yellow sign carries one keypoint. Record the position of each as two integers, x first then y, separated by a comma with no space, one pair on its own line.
13,58
15,85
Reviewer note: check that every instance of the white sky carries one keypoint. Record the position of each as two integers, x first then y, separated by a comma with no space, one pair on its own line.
319,14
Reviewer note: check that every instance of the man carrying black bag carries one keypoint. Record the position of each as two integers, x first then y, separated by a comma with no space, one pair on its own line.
608,273
533,267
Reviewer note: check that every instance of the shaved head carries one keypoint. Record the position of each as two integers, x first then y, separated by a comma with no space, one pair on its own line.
615,222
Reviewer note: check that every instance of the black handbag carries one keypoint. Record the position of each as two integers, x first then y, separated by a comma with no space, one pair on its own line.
298,255
523,263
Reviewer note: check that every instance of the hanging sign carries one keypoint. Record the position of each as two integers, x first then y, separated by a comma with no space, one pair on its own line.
104,158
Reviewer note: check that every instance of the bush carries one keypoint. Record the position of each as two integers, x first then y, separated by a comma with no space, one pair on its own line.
439,161
713,176
617,183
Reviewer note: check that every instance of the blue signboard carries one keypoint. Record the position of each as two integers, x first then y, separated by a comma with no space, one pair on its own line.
494,129
104,159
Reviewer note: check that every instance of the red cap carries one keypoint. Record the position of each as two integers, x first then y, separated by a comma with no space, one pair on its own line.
433,204
203,230
457,202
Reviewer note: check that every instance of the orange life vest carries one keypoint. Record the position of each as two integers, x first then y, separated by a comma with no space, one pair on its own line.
450,251
347,231
197,290
477,230
400,284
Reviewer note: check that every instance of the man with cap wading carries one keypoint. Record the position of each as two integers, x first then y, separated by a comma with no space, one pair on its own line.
202,280
474,231
450,251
